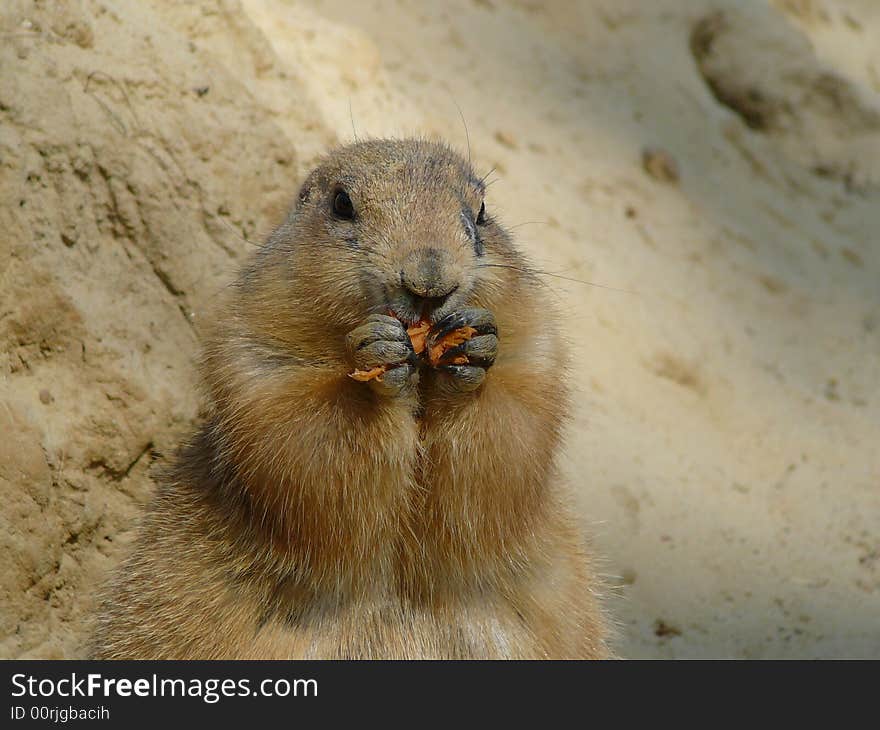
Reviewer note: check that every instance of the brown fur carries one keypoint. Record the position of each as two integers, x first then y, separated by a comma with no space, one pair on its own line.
312,517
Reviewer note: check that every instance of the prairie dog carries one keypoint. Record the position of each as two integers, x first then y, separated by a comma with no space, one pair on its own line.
416,515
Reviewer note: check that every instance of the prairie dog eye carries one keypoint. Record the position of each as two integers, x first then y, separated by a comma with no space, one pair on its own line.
342,206
481,216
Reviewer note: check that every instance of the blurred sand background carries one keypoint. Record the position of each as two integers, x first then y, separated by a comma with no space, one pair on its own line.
714,163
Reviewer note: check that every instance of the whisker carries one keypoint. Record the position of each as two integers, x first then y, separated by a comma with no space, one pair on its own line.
351,116
539,272
485,177
467,136
528,223
238,234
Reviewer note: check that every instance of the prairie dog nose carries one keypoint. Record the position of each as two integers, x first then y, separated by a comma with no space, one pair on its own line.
425,273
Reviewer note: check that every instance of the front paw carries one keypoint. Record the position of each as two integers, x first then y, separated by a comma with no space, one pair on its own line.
464,365
383,356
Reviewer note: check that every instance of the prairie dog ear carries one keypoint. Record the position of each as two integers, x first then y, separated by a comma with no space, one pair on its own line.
307,189
304,193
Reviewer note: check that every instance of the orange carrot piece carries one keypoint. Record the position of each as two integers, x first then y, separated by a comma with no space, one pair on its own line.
418,335
453,339
365,375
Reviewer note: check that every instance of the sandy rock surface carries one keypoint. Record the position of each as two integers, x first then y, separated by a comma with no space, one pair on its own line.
711,167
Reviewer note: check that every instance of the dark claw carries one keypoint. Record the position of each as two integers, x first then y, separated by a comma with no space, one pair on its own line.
450,355
480,319
481,350
451,321
454,353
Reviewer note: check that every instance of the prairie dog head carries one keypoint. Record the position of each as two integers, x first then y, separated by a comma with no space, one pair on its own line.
383,226
410,214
